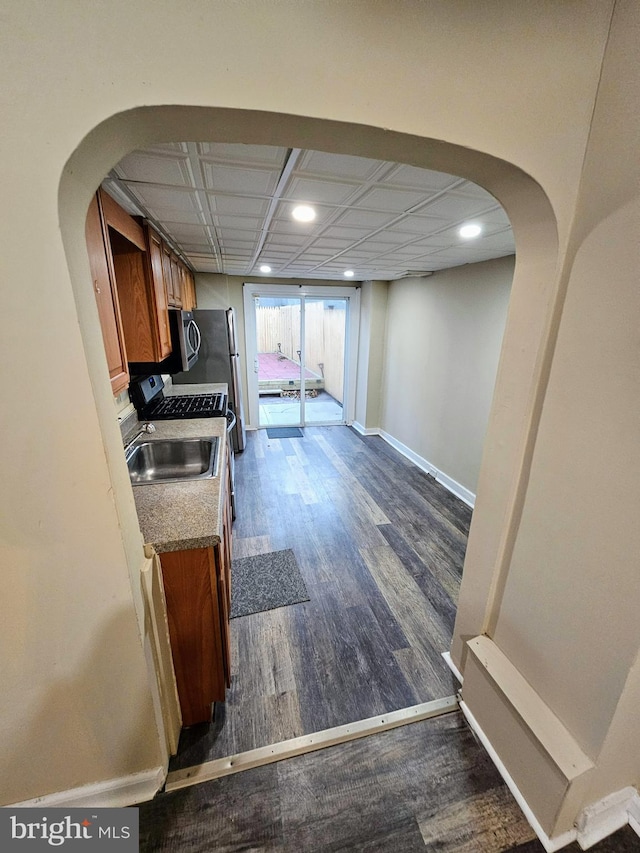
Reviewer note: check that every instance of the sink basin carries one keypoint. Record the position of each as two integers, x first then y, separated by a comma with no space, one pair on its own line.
171,460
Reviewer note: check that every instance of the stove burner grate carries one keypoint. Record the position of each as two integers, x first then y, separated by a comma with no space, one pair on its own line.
188,406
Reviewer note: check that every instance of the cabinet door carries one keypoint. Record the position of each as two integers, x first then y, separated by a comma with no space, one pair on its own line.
159,291
106,297
184,289
168,277
189,290
176,281
175,298
166,273
193,613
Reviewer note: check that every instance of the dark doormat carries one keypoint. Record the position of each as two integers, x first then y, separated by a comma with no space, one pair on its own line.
284,432
265,582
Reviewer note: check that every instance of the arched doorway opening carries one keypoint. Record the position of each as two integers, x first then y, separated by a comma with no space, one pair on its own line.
528,337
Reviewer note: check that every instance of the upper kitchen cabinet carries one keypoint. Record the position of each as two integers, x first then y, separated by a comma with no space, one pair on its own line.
171,277
137,263
104,288
188,291
181,291
156,276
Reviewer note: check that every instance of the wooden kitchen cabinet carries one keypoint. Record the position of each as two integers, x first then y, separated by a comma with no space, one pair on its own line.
172,277
187,288
180,284
137,264
197,584
158,290
104,287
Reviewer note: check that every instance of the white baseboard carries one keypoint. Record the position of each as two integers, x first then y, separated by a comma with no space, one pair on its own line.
460,491
549,844
454,669
449,483
605,817
595,823
634,814
114,793
409,454
365,430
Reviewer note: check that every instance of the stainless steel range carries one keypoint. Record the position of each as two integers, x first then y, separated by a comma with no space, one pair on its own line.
147,395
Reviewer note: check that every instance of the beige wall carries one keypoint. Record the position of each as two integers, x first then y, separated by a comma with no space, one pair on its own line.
444,335
371,350
569,616
468,88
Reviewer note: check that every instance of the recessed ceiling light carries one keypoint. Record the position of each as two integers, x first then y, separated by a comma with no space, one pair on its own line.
349,273
467,232
303,213
265,268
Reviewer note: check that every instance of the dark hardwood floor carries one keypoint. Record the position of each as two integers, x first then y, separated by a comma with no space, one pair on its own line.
380,545
427,786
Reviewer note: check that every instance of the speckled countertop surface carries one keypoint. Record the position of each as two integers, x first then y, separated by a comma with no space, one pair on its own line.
179,516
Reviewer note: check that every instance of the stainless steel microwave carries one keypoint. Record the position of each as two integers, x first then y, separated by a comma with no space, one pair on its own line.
185,338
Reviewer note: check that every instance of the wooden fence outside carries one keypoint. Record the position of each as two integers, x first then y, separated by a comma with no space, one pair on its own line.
278,330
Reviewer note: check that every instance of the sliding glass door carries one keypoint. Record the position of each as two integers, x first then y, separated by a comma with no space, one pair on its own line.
300,347
324,350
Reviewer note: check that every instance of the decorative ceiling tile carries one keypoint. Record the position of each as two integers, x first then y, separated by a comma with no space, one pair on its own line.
240,180
310,191
410,177
152,168
457,207
166,199
169,217
238,205
338,165
366,219
210,195
388,200
267,155
242,223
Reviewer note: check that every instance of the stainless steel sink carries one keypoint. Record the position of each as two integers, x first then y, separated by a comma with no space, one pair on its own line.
171,460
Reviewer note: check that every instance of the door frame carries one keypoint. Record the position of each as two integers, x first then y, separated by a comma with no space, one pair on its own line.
352,296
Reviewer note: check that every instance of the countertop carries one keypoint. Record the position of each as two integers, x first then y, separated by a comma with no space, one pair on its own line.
179,516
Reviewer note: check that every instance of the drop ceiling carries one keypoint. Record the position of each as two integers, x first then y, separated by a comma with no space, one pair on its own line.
227,209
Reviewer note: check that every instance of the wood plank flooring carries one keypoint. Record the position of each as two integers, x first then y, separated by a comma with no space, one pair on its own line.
428,786
380,545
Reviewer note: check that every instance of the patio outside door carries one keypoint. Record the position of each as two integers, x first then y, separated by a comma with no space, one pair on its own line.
299,347
279,360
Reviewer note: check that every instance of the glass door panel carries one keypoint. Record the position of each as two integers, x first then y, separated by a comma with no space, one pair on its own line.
279,355
324,349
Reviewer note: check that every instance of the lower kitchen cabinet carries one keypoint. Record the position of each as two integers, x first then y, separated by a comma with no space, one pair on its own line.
197,585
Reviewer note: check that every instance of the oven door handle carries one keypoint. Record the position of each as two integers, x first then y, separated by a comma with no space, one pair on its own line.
231,419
